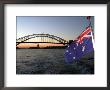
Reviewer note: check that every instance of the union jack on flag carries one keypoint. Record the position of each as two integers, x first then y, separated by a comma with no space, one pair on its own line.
81,46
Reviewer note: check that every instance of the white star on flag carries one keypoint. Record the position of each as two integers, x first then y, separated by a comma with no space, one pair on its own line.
83,48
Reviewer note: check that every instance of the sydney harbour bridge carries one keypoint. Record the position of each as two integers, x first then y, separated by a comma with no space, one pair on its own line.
42,38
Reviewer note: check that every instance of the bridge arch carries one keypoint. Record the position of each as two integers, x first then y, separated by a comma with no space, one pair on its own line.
42,36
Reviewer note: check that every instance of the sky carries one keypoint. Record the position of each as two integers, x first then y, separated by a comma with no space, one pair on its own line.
67,27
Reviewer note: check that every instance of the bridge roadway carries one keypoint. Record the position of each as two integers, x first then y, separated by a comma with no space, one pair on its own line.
42,42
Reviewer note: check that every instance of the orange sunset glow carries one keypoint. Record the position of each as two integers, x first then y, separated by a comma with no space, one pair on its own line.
28,45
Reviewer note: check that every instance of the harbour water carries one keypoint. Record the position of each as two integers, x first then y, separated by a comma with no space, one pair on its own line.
49,61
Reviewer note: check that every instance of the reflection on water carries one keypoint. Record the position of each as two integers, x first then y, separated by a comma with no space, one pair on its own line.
48,61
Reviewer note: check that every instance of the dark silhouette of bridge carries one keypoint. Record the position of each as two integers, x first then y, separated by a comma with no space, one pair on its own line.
42,38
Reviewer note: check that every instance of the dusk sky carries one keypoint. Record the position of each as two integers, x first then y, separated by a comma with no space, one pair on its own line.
67,27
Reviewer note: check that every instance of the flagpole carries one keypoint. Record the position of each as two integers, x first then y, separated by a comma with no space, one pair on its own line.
90,24
92,40
89,18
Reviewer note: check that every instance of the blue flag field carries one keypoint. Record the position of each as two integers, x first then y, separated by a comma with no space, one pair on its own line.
81,46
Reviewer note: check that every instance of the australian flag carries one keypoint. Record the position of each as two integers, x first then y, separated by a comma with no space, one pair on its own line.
81,46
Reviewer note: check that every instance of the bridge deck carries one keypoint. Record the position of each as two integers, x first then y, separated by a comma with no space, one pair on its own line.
42,42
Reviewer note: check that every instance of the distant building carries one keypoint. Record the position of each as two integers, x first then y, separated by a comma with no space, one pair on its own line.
37,45
70,41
